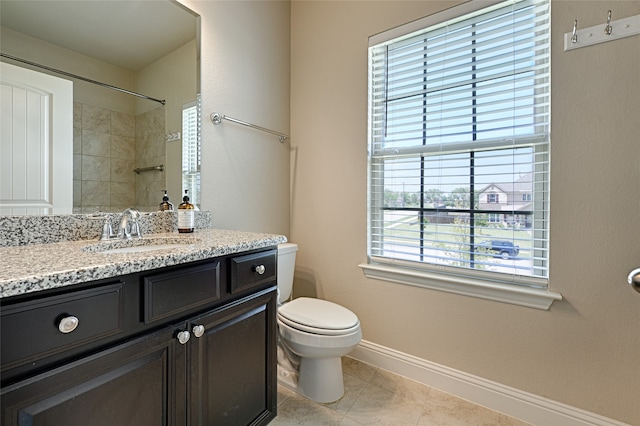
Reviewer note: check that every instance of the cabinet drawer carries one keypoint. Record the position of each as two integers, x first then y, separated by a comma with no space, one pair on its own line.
183,290
252,270
31,330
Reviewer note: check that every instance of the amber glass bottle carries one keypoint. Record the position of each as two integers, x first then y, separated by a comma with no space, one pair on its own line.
165,204
186,215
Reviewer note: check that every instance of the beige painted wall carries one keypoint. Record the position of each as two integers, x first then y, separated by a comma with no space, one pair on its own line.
245,74
35,50
584,351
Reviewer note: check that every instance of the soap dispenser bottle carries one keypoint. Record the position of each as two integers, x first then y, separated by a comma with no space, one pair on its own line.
186,215
165,204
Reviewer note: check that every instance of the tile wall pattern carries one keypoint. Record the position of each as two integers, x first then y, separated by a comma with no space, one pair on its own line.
107,146
103,159
150,149
376,397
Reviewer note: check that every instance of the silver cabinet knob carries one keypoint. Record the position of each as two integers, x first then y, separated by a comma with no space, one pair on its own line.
183,337
260,269
198,330
68,324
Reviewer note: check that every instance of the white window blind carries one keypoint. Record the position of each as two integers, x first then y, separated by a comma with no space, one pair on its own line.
459,145
191,153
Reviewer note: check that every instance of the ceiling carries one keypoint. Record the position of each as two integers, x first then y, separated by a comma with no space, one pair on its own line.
130,34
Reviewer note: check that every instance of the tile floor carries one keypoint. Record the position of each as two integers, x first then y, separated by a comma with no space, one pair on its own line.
376,397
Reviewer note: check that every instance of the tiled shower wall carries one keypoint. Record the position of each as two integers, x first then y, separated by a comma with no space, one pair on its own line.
107,147
150,151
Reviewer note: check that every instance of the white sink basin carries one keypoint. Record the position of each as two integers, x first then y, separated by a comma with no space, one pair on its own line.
140,245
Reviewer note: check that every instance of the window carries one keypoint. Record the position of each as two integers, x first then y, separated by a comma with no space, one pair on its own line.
458,108
191,157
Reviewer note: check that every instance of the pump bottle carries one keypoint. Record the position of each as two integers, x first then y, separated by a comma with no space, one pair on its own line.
165,204
186,215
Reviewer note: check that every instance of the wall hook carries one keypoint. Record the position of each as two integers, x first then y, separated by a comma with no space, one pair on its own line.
601,32
608,29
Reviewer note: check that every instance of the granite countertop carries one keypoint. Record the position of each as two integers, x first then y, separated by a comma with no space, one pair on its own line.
31,268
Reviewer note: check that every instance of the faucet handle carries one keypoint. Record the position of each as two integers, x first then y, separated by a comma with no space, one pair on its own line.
135,229
107,230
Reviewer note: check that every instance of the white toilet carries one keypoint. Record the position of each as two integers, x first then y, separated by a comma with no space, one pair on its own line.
313,336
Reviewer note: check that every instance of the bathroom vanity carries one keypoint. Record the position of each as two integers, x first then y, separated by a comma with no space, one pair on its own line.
189,343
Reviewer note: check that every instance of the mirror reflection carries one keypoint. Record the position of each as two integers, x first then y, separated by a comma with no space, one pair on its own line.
126,149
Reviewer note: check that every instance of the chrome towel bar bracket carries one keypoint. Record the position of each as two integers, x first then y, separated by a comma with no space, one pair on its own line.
217,118
634,279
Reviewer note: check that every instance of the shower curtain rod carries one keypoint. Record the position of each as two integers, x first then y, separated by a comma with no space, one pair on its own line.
108,86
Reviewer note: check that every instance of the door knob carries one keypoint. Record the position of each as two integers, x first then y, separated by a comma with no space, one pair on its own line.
183,337
260,269
198,330
634,279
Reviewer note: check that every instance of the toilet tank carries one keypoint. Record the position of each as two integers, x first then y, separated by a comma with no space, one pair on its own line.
286,267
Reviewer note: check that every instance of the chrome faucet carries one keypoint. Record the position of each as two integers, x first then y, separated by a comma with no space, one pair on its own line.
129,226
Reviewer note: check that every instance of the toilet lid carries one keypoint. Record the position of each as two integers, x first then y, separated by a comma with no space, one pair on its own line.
317,313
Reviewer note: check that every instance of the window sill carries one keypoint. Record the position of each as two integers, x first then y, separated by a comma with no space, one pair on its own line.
516,295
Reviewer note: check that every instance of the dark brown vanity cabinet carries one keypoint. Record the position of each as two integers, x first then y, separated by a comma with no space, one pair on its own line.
173,346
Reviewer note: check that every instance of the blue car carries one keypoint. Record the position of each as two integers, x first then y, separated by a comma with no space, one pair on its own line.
502,248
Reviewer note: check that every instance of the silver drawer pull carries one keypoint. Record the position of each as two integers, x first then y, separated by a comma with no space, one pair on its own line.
198,330
183,337
260,269
68,324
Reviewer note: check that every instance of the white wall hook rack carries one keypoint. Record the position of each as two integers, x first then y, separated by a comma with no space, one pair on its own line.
609,31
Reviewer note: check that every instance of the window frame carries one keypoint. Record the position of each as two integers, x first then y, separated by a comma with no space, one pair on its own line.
519,290
192,143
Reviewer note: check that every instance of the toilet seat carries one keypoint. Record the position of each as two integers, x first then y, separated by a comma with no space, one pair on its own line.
318,316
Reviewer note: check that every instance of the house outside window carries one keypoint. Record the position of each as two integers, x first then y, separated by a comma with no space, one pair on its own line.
458,144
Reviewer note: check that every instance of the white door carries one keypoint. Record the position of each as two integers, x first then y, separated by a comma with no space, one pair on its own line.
36,142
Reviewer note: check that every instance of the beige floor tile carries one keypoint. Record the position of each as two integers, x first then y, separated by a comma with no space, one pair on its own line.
444,409
358,369
504,420
297,410
284,393
376,397
377,406
400,385
352,388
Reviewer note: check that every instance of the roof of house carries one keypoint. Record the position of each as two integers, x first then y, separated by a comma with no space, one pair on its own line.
523,184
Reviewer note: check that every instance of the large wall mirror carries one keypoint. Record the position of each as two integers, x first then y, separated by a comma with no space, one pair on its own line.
127,149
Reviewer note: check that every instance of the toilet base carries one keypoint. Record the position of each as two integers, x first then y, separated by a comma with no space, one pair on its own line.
320,379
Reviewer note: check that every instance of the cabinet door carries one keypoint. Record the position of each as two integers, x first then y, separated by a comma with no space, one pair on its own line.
233,364
131,384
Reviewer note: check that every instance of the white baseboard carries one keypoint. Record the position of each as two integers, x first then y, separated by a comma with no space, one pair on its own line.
495,396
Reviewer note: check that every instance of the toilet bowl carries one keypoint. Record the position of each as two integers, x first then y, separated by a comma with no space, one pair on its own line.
313,336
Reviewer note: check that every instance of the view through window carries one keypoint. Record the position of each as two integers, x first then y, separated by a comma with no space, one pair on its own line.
458,144
191,156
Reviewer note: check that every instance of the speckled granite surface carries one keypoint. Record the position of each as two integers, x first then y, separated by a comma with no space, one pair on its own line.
26,230
36,267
